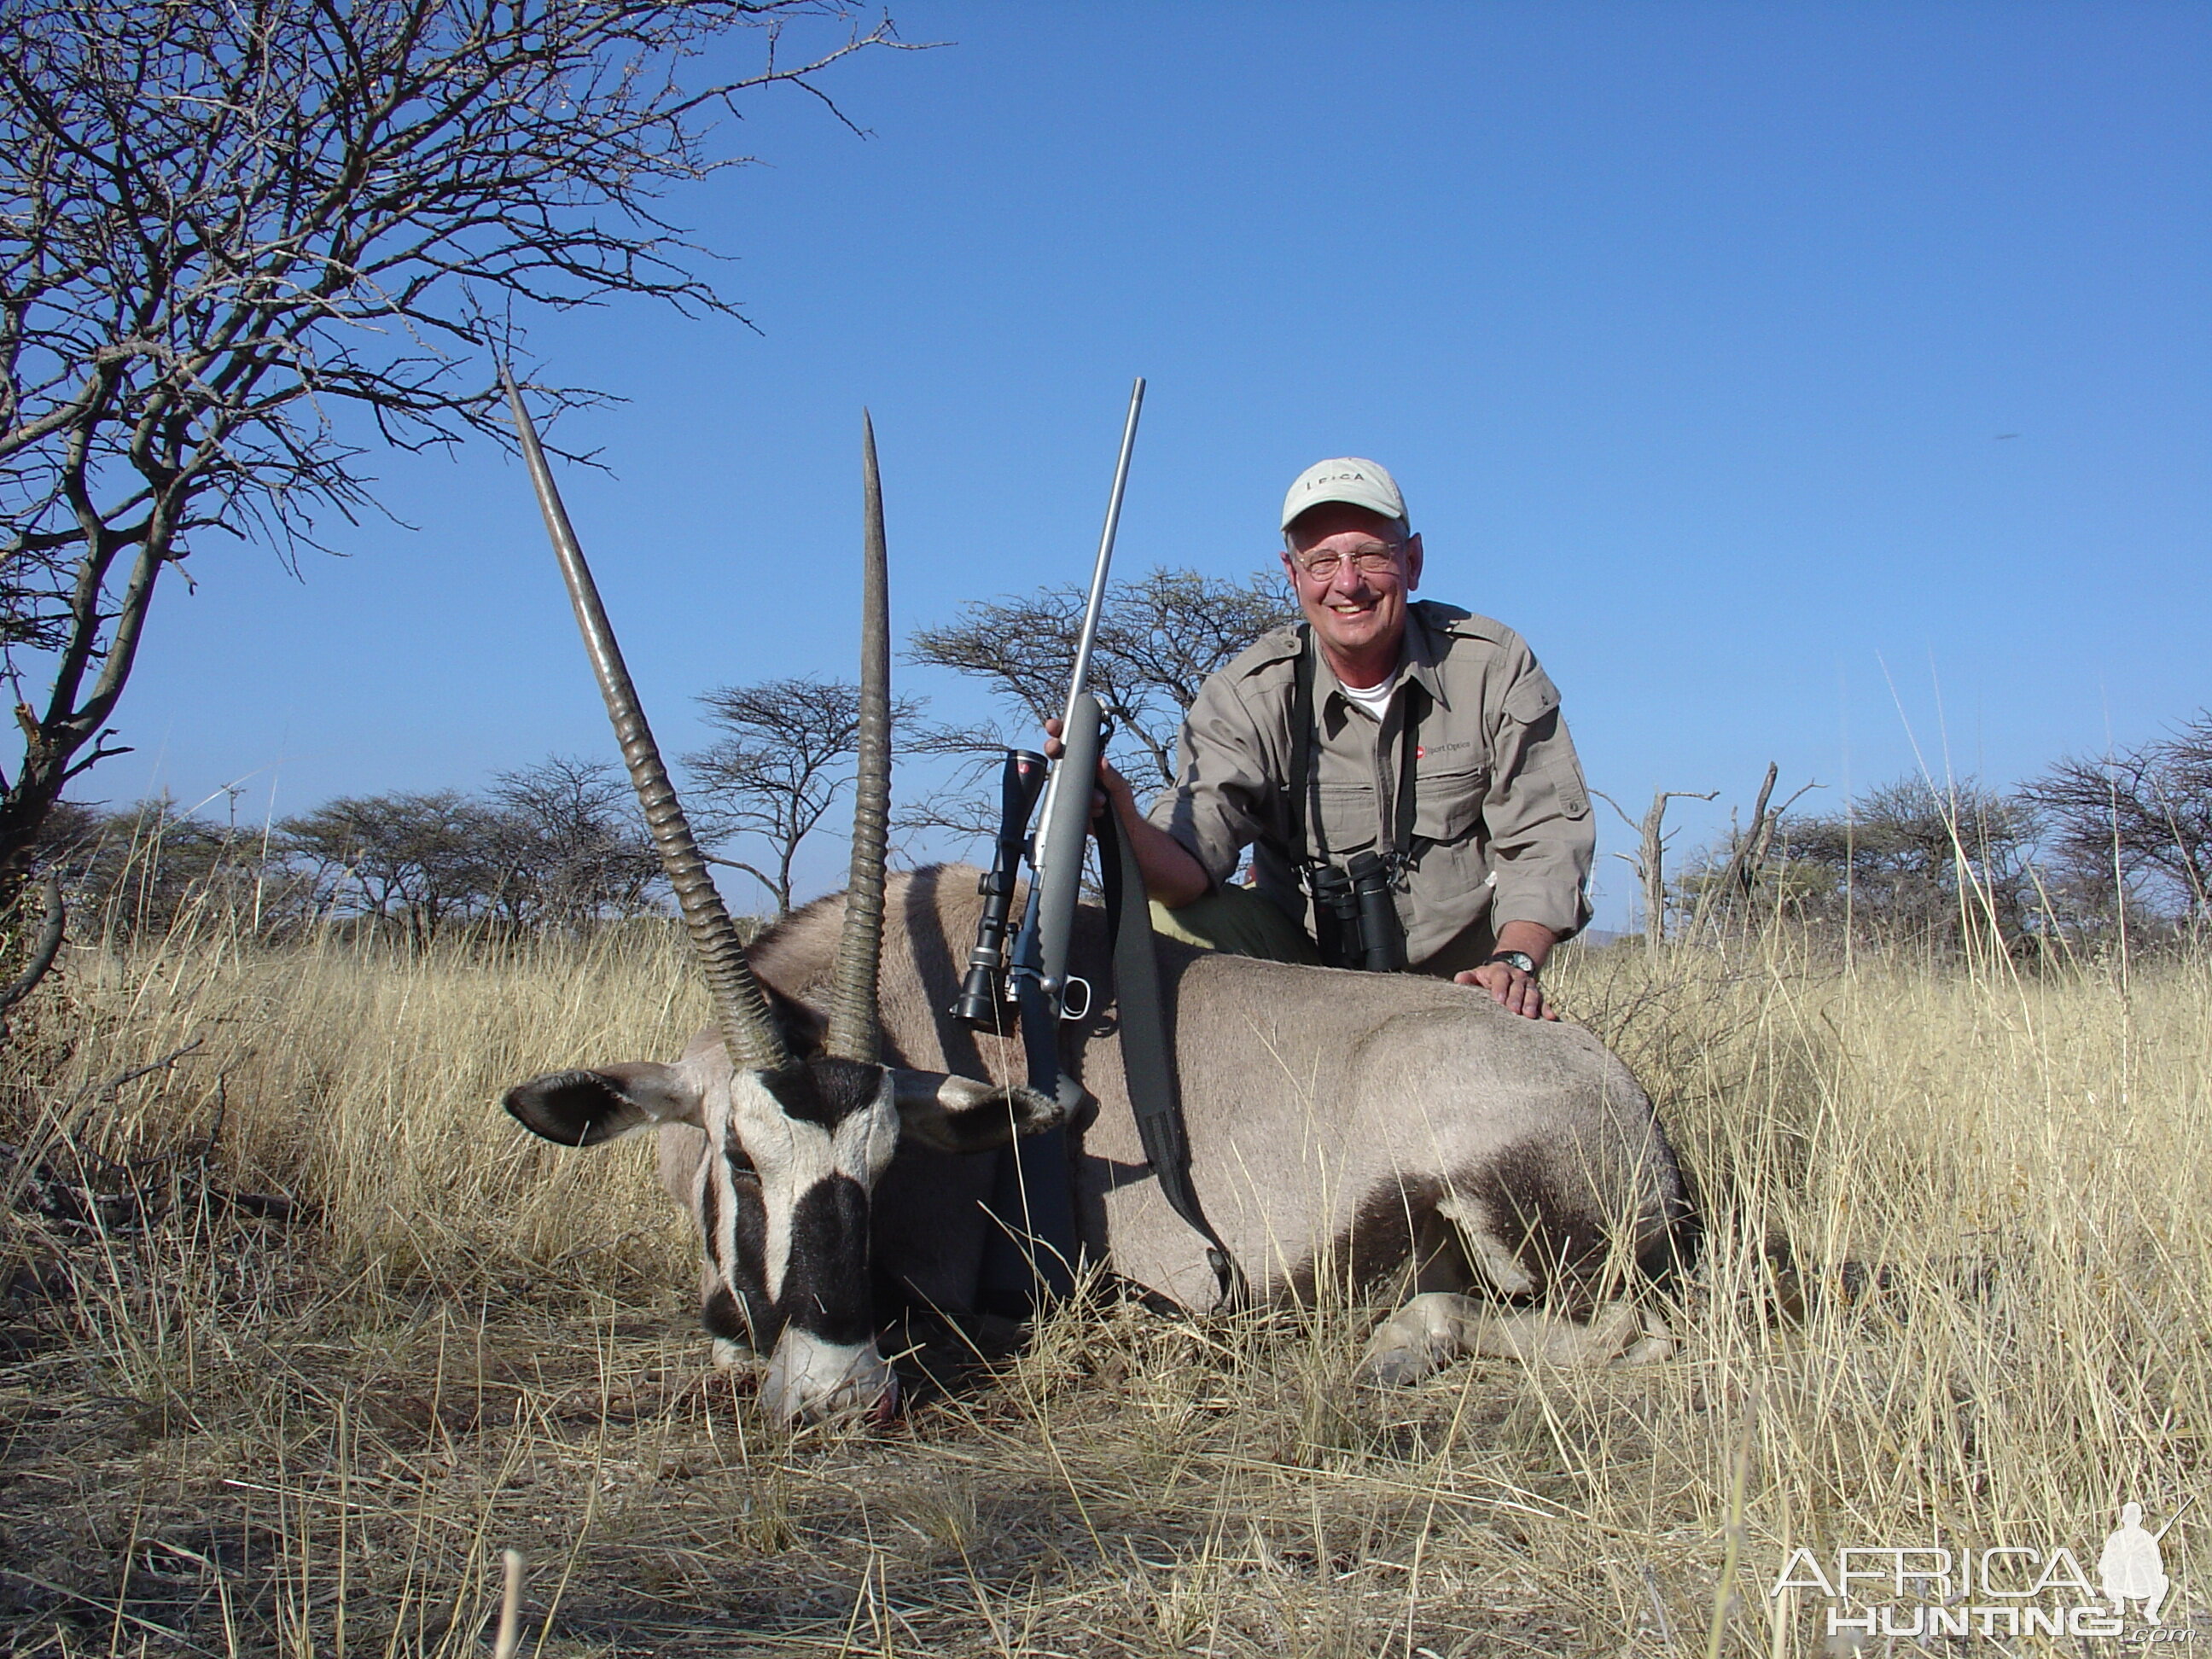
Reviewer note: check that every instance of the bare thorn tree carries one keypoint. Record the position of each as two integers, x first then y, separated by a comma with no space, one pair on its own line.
1751,847
784,760
241,244
570,844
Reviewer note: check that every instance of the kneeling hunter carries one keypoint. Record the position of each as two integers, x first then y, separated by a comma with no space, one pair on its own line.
1399,768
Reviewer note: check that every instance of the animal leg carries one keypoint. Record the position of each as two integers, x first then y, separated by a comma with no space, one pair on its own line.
1435,1329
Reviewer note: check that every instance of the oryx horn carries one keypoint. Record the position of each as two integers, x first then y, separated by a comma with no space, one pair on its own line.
749,1030
854,1017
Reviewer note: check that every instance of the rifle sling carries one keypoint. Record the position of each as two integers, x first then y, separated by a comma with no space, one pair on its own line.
1148,1060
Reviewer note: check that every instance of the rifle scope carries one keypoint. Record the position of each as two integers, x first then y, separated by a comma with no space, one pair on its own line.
983,988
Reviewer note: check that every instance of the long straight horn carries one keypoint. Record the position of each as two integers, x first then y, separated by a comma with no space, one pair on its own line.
853,1011
748,1031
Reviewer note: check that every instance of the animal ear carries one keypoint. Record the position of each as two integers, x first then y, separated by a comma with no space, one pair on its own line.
959,1115
584,1108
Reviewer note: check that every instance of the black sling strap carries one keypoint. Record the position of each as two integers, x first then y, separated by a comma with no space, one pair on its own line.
1146,1055
1300,784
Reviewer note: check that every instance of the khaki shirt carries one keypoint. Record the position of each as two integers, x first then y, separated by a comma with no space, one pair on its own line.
1502,822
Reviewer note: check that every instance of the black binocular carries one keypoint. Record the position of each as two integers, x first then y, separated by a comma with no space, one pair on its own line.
1355,921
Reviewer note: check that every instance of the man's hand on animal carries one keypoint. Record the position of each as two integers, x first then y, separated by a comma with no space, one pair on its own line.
1511,986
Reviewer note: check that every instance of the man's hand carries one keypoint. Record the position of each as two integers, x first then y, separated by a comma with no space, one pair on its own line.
1172,875
1515,992
1113,787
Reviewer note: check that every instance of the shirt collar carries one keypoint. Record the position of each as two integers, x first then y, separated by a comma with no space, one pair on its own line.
1419,657
1423,652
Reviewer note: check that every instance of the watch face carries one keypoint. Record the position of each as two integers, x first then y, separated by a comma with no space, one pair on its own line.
1520,959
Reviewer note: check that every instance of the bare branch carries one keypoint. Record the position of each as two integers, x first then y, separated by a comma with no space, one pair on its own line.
42,954
242,246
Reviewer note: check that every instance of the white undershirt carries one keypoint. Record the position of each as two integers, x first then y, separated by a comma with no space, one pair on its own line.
1375,699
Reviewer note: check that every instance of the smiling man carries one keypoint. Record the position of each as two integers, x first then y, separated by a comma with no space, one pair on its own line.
1401,751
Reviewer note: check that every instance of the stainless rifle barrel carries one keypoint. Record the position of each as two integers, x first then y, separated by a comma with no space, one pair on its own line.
1082,643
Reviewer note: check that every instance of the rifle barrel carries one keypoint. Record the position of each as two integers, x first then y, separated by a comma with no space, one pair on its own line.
1078,680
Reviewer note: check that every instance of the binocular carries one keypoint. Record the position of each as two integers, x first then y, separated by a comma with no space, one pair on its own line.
1355,921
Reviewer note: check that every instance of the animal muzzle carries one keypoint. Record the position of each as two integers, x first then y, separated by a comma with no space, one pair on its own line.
808,1380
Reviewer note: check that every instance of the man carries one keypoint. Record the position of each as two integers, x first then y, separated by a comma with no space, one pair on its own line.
1486,846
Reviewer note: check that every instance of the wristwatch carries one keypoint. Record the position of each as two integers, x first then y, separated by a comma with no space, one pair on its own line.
1520,959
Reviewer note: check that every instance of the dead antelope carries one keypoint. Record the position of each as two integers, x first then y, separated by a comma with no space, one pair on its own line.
823,1131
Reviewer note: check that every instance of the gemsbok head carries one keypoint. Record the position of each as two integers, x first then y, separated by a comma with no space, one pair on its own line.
777,1124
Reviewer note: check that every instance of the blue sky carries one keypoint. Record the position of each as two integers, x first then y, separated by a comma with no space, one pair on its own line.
1691,330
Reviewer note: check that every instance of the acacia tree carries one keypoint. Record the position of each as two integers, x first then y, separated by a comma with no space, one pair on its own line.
2139,815
1910,861
785,758
421,858
570,843
1158,638
241,244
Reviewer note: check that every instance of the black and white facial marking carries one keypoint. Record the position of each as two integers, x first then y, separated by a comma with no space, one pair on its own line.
801,1151
782,1194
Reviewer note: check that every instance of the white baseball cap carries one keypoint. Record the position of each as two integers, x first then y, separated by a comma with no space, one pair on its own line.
1346,478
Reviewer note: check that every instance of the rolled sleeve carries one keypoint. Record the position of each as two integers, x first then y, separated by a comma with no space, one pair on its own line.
1216,805
1542,835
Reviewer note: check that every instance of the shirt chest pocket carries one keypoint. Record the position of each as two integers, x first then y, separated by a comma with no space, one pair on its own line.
1348,820
1448,799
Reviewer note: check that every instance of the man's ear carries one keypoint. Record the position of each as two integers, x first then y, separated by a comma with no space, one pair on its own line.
959,1115
584,1108
1413,560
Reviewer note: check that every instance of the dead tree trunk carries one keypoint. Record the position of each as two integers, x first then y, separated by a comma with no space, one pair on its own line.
1650,859
1741,874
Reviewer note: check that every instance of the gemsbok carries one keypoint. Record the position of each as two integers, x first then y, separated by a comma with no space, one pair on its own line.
823,1133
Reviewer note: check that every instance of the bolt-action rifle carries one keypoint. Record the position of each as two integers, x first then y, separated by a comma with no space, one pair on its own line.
1038,957
1032,1196
1032,1200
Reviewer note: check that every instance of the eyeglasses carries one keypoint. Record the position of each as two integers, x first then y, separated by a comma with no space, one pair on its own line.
1370,561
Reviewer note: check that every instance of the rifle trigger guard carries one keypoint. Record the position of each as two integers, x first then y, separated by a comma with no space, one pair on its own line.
1067,1011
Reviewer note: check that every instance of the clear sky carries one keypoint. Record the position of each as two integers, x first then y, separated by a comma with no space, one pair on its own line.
1801,380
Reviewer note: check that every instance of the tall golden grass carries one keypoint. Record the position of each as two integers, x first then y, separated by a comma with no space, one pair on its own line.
1953,1292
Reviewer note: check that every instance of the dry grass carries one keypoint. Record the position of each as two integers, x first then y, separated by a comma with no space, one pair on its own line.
1954,1291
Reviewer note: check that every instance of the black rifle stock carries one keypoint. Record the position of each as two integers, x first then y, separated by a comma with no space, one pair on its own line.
1060,836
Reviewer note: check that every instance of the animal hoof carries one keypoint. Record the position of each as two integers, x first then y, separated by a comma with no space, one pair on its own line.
1395,1368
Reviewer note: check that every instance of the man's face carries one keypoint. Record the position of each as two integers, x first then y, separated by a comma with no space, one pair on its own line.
1355,611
